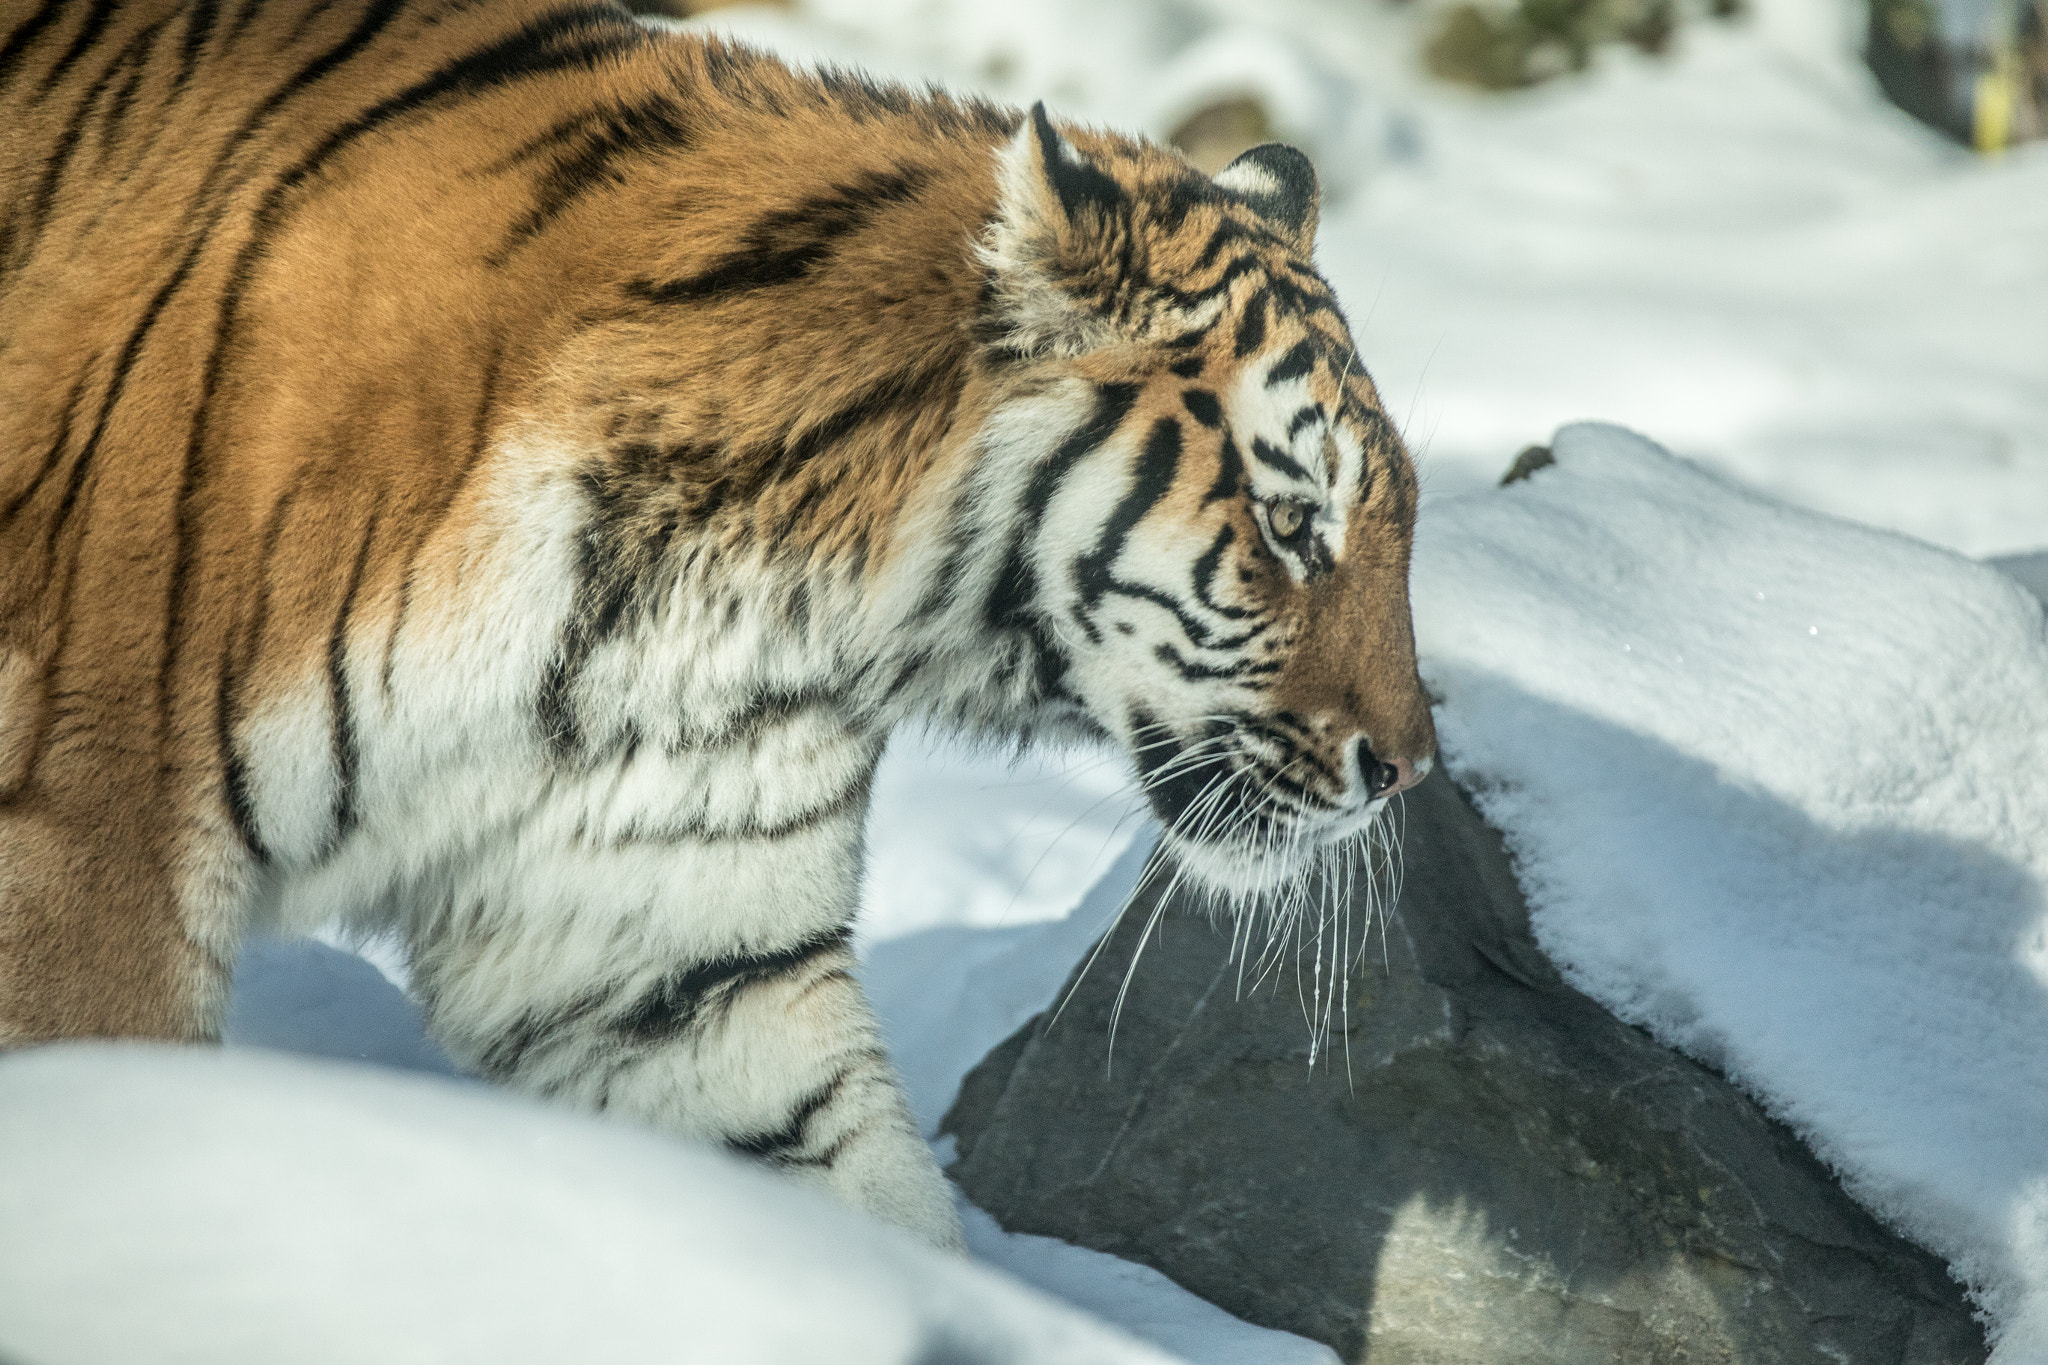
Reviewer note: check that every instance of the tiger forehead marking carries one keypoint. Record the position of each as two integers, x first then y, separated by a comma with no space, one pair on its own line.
500,474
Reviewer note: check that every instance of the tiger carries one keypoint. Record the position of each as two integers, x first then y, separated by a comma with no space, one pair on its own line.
497,475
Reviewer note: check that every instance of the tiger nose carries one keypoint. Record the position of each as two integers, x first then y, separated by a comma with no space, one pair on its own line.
1389,776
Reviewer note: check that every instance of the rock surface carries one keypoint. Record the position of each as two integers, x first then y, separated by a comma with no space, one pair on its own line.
1506,1174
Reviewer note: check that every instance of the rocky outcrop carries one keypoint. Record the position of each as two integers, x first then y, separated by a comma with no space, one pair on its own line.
1482,1165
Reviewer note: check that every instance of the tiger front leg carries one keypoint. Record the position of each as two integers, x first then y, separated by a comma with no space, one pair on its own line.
774,1053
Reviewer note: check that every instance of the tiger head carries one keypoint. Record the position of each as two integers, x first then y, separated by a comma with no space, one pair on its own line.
1209,518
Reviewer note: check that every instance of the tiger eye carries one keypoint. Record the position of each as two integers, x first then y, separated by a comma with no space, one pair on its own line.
1286,519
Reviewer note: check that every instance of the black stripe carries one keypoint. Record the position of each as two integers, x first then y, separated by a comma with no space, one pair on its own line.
134,61
1282,783
1204,577
1229,472
1306,416
1299,360
934,387
147,323
815,492
1380,439
1203,407
848,799
1015,586
1268,453
698,996
1194,672
130,350
868,100
634,516
88,34
1158,464
248,12
228,708
1228,230
761,710
1306,298
1197,633
1295,742
22,230
1251,324
199,23
55,455
1189,367
234,770
783,1146
1078,182
1380,433
1170,208
479,437
1176,297
347,752
784,245
617,560
606,137
309,15
507,1053
25,34
306,75
577,38
553,715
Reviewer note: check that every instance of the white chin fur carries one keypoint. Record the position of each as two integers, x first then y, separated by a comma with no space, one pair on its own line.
1240,876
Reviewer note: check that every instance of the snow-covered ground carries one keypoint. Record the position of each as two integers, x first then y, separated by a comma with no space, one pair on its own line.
243,1208
1777,784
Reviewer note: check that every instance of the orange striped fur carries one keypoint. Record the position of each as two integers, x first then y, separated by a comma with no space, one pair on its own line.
438,438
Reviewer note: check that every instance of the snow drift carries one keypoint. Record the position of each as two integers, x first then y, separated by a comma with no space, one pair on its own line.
1777,789
242,1208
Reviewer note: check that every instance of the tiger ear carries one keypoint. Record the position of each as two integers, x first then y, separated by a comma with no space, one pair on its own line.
1044,248
1074,180
1280,185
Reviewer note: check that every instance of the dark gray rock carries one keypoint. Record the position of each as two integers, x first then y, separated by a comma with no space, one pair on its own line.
1498,1171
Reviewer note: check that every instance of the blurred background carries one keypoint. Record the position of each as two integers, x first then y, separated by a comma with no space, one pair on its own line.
1804,242
1975,69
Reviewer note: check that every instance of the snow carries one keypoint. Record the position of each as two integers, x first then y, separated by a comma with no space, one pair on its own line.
1776,786
173,1205
1800,834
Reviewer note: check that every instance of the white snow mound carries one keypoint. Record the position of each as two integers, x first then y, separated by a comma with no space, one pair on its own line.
1777,788
165,1205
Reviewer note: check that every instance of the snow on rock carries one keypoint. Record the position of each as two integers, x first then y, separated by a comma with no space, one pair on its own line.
1777,789
242,1208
